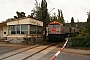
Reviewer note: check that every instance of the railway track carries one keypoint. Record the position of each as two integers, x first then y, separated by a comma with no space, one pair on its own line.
9,51
43,48
10,54
26,53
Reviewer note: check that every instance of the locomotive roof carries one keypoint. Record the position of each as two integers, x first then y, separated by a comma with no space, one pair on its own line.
55,22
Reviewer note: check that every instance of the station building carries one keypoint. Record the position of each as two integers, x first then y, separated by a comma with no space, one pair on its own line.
17,29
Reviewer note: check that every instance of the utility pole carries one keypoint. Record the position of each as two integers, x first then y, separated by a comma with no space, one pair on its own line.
52,10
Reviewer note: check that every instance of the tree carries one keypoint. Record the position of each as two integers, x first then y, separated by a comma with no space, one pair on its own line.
72,22
60,17
36,12
85,31
9,19
47,19
78,24
53,17
88,24
44,10
19,15
44,15
41,13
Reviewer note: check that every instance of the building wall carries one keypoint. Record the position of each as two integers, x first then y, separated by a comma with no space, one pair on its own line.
26,21
1,33
5,31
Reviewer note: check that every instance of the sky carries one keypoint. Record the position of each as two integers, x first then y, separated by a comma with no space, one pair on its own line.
70,8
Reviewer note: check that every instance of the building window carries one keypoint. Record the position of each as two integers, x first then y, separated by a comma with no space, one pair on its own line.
12,29
39,30
32,29
24,29
17,29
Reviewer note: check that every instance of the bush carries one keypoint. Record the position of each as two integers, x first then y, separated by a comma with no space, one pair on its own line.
80,42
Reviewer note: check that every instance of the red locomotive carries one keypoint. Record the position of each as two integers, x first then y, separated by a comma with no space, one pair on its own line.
58,31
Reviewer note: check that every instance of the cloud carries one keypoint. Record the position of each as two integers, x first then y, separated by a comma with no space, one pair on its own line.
70,8
8,8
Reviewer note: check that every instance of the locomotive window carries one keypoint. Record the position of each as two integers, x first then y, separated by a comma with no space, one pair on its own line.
51,26
57,25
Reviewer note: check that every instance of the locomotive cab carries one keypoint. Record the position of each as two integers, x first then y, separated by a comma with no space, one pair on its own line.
55,28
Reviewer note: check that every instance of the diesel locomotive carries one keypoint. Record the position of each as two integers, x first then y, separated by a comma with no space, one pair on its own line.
58,31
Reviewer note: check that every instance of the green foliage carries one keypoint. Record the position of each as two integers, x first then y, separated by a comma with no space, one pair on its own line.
44,10
10,19
74,35
88,24
47,19
85,31
19,15
60,17
36,12
53,17
44,15
40,12
80,42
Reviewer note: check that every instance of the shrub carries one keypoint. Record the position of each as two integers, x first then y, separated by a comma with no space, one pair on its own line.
80,42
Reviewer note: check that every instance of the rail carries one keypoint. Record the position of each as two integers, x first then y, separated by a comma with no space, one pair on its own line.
23,50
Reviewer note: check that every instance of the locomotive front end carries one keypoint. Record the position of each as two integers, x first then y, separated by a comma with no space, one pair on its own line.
55,31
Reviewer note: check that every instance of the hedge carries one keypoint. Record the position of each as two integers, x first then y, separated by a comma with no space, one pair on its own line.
80,42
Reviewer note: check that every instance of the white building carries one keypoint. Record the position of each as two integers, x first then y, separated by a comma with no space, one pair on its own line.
16,30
